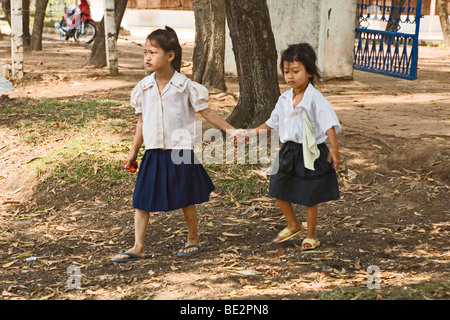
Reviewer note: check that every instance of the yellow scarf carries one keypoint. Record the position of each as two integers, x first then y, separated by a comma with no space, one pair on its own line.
310,150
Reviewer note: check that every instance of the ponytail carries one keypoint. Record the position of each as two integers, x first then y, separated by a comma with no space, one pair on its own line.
167,40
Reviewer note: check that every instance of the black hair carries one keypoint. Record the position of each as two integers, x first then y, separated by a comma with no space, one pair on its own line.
305,54
167,40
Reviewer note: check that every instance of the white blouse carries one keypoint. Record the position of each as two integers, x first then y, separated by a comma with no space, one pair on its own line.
169,118
288,120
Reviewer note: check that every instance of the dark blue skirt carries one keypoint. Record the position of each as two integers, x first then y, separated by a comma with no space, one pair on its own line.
163,186
293,183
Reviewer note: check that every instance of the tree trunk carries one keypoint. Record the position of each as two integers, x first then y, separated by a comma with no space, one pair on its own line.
17,39
443,17
98,51
6,4
26,23
209,50
394,17
111,38
256,60
38,26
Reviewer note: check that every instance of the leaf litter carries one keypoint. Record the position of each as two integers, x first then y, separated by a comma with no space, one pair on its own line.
393,213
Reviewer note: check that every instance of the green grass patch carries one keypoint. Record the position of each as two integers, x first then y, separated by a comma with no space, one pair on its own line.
37,120
422,291
82,140
237,182
85,159
77,112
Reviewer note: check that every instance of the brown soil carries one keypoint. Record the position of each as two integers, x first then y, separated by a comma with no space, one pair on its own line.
393,212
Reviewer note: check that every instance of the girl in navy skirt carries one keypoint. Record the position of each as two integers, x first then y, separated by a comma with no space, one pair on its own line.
170,177
305,173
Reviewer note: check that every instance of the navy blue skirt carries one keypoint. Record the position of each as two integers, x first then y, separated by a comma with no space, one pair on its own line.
163,186
293,183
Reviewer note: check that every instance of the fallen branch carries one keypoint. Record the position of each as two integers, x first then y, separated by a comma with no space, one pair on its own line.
387,144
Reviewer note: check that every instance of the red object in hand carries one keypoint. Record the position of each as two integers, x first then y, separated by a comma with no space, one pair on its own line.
133,166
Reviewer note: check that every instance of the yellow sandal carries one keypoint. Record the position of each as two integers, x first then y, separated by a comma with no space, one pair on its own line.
287,234
313,244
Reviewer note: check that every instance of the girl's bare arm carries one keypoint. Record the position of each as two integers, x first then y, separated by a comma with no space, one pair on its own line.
212,117
137,143
334,151
262,128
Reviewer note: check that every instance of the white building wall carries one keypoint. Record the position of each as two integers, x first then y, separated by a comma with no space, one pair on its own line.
327,25
97,9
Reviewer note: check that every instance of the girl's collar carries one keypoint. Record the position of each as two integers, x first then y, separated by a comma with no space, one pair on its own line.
178,81
148,82
307,97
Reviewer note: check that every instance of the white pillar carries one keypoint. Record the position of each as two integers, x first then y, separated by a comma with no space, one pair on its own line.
335,52
112,58
432,15
17,39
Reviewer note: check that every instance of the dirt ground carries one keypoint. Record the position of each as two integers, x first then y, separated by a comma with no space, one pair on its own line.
393,212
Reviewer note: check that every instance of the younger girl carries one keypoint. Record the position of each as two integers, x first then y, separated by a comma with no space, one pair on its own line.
166,102
304,118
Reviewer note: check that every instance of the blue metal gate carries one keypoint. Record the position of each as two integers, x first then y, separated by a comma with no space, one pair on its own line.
381,44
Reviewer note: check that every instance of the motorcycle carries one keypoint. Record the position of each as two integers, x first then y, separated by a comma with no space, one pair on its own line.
77,23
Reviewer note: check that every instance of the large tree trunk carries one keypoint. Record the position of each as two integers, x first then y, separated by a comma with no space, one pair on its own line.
443,17
98,51
38,26
26,23
209,50
394,17
256,60
6,5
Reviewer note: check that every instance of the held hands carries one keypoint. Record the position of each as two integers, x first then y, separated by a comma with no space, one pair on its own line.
239,135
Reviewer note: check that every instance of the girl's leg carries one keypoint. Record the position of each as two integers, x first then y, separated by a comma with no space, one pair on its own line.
311,220
289,214
190,215
140,229
141,218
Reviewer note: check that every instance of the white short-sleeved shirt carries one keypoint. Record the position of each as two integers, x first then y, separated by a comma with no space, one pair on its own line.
288,120
169,118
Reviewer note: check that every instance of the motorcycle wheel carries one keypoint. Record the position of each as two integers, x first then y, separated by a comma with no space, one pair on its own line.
90,30
62,24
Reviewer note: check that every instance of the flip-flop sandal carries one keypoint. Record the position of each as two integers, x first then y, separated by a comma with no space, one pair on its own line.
133,257
286,235
187,254
313,244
